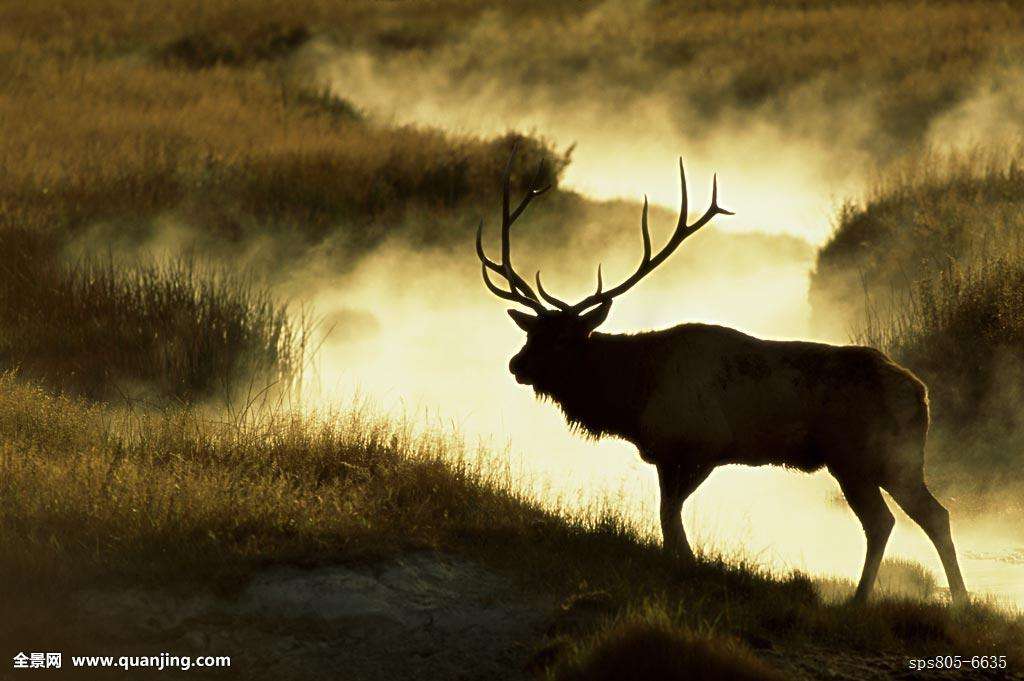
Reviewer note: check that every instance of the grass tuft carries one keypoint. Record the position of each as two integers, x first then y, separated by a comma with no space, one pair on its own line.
171,331
648,644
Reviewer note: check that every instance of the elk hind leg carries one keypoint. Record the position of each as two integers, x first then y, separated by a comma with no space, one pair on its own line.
925,510
867,503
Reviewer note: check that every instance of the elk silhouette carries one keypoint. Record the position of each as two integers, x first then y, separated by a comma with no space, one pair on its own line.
697,396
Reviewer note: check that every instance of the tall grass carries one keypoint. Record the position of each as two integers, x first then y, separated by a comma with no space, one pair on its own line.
964,329
93,492
931,270
962,332
921,56
121,111
173,330
921,214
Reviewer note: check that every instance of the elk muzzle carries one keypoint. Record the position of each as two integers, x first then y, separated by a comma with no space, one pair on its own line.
516,366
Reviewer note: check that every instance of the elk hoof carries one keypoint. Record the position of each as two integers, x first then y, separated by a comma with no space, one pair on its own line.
960,598
683,556
859,599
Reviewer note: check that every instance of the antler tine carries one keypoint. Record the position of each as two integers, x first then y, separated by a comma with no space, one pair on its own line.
513,277
480,249
506,223
511,296
647,262
684,209
519,291
713,210
560,304
645,232
488,264
531,194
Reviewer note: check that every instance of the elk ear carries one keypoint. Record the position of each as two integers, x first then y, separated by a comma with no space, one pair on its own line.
524,321
596,317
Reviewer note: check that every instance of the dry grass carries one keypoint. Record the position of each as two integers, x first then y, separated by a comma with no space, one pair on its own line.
740,51
897,64
898,578
961,328
146,495
177,499
922,213
116,27
962,331
116,110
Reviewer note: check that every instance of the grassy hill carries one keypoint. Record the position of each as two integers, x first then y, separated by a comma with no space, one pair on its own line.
174,500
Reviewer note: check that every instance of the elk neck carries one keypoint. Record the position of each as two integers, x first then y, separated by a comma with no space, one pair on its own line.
603,388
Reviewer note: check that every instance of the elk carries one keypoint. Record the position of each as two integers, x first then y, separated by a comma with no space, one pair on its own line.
698,396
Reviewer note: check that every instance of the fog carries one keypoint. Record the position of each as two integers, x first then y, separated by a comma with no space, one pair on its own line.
418,334
776,182
991,115
432,344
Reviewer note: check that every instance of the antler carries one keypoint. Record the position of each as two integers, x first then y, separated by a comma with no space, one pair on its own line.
519,291
647,263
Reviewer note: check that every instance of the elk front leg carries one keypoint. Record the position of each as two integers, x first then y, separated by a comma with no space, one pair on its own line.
677,482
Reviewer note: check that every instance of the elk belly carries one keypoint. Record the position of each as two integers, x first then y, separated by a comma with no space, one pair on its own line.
772,421
684,423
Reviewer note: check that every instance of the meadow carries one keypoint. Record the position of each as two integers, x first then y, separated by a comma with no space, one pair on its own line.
138,445
916,59
118,113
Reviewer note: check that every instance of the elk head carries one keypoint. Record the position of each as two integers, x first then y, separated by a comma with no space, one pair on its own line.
556,334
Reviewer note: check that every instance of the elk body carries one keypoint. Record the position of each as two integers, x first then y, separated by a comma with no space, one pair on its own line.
698,396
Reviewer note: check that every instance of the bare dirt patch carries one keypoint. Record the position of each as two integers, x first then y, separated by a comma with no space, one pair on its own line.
422,615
